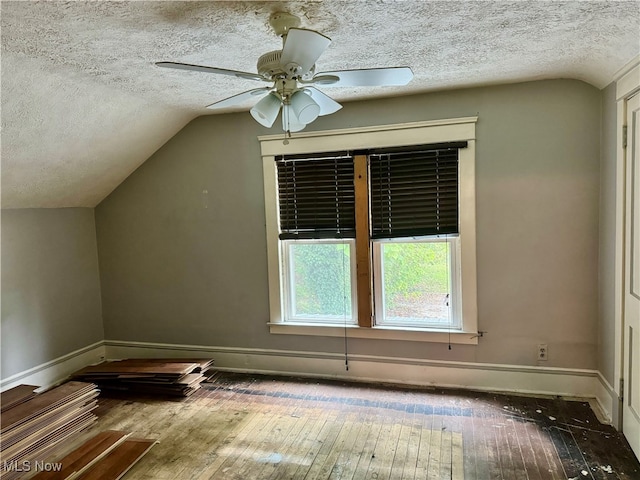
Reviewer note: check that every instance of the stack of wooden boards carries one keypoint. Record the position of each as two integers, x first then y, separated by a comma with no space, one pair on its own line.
107,456
16,396
181,377
33,426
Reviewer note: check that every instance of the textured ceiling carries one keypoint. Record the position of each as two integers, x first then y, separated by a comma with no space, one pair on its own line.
83,104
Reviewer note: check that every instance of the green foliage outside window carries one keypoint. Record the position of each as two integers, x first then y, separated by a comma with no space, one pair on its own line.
411,269
322,279
416,282
413,272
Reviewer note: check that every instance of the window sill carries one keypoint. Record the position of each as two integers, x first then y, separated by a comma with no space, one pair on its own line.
379,333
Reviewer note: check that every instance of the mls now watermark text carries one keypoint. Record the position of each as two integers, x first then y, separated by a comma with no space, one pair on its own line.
29,466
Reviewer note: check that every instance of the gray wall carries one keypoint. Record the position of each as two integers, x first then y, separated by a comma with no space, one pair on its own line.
50,285
177,267
606,278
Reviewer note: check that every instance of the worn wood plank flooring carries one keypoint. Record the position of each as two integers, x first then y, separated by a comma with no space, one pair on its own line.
272,428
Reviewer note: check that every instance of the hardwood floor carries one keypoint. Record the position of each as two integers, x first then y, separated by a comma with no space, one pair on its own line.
249,427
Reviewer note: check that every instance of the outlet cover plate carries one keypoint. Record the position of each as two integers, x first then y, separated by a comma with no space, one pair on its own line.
543,351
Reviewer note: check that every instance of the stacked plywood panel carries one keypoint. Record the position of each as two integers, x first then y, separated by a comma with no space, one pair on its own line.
32,427
162,376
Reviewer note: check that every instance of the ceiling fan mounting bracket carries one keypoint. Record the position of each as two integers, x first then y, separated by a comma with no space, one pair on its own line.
281,22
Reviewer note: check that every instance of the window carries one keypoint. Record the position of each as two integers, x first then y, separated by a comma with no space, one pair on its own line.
316,211
416,283
380,241
318,281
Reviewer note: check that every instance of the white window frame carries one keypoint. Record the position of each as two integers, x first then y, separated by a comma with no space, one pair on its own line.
398,135
288,295
454,282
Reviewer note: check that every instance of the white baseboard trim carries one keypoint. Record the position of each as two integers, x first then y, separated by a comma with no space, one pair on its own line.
409,371
58,369
607,399
588,384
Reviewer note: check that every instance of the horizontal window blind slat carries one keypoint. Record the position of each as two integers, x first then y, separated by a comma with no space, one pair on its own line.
424,162
315,156
407,220
416,232
404,188
317,234
424,215
433,221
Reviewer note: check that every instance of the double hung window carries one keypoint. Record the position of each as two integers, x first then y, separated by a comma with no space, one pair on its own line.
316,205
372,238
414,226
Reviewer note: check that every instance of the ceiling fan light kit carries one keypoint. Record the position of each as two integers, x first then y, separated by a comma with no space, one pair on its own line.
305,108
290,123
266,110
292,73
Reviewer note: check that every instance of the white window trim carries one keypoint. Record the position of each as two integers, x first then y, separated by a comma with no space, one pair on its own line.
415,133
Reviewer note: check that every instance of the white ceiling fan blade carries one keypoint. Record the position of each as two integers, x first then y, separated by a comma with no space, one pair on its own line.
326,103
302,48
239,98
367,77
202,68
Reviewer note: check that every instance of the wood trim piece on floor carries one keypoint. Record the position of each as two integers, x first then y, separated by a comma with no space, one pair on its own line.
85,456
16,395
119,460
530,380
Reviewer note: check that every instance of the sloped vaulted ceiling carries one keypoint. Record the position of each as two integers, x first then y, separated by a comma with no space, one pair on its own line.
83,104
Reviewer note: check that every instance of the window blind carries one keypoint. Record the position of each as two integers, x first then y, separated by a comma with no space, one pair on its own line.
414,191
316,196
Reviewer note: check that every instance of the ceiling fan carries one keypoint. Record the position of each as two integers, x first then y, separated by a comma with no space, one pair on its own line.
293,77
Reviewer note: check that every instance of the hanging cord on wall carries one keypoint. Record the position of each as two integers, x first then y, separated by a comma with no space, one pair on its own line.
344,310
448,296
344,278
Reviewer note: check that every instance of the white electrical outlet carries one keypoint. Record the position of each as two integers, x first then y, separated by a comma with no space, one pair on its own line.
543,351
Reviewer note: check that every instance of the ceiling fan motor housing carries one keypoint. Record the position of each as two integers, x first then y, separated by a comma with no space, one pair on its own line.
270,68
269,64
